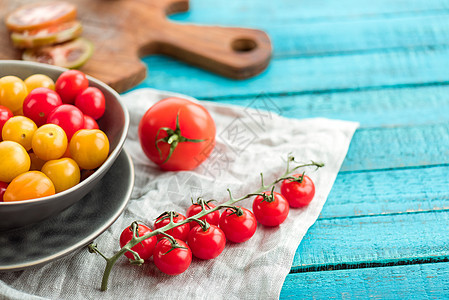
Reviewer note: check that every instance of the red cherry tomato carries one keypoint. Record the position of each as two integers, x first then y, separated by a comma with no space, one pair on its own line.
206,244
5,115
90,123
68,117
179,232
145,248
211,218
69,84
91,102
39,103
172,259
270,210
298,192
239,225
3,186
189,123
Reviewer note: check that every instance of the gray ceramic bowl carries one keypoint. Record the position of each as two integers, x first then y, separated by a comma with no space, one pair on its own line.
114,123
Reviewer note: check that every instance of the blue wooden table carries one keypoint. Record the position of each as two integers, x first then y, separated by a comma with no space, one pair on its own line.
383,232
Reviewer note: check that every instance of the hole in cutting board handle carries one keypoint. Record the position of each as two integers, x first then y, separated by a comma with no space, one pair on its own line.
243,45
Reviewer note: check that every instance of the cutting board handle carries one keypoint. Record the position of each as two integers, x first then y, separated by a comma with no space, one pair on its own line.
233,52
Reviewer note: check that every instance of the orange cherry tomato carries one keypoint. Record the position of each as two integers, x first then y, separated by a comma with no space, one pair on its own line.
12,92
89,148
63,172
29,185
14,160
49,142
19,129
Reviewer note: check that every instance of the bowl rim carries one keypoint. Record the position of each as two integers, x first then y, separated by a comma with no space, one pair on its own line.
112,156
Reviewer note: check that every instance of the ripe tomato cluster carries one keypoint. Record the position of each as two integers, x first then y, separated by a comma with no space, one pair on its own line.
48,134
205,237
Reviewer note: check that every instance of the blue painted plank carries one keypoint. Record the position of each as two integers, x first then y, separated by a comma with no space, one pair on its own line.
426,281
306,75
372,108
388,192
402,238
236,12
397,147
296,38
330,38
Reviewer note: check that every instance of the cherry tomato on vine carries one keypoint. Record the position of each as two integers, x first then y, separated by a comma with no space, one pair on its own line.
298,192
5,115
239,225
39,103
271,209
68,117
3,186
206,244
172,259
211,218
69,84
145,248
29,185
177,134
179,232
14,160
91,102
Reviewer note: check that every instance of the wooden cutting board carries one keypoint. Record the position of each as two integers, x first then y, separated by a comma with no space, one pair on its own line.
125,30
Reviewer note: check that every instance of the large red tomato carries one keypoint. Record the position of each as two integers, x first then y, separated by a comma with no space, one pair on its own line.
177,134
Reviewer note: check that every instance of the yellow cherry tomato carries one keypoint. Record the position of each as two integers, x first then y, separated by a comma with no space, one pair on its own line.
12,92
14,160
63,172
49,142
36,162
39,80
19,129
29,185
89,148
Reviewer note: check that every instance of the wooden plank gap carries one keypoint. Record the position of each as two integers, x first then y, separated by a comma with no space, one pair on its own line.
410,212
365,265
398,168
328,91
361,51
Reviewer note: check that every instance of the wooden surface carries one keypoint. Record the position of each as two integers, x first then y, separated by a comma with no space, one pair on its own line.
124,30
383,231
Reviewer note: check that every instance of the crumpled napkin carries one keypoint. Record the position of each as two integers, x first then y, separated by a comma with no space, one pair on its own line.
249,141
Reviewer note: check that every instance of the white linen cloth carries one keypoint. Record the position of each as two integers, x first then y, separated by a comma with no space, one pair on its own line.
249,141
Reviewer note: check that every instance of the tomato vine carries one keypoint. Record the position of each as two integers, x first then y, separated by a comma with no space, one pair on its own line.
110,261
